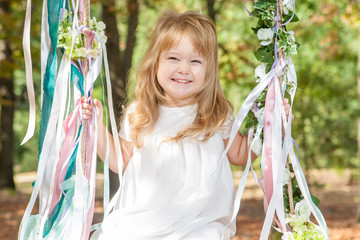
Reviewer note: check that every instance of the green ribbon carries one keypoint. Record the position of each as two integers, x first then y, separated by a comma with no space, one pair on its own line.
54,7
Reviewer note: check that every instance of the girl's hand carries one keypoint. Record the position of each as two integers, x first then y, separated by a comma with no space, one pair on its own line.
88,110
287,109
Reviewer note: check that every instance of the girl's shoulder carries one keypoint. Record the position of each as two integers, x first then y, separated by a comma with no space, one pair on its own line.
125,129
130,108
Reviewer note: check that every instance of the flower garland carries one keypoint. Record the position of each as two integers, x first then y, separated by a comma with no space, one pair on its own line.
277,42
78,50
269,37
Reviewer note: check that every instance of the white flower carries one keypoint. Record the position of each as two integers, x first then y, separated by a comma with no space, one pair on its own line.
265,35
103,37
288,6
260,71
100,26
287,236
294,220
93,52
286,176
302,209
256,146
81,52
259,114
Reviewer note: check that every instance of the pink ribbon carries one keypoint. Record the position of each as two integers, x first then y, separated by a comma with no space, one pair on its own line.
268,121
90,34
70,126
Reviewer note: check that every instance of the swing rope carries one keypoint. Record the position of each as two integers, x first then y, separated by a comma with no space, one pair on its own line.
85,22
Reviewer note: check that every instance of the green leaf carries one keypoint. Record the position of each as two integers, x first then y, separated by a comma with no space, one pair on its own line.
260,24
276,235
262,97
291,167
315,200
265,5
294,182
268,68
255,30
250,124
268,18
287,204
256,13
287,17
264,54
251,120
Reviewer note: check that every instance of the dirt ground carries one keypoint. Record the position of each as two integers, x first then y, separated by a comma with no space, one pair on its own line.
337,191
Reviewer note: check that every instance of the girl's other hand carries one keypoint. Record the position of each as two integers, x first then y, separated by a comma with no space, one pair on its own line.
287,109
88,110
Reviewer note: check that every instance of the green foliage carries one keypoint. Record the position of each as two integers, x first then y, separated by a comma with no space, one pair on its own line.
326,107
296,193
265,54
276,235
276,42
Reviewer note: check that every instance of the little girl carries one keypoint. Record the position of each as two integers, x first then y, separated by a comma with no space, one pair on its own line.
172,135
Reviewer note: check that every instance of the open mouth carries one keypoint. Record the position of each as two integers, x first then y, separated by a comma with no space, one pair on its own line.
180,80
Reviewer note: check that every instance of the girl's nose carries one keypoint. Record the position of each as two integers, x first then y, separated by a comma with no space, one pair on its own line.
183,67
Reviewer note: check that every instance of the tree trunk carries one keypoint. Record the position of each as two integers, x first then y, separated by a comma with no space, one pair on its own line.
119,62
114,54
133,11
211,11
7,98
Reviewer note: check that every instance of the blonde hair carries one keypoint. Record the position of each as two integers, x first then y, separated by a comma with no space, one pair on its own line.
213,107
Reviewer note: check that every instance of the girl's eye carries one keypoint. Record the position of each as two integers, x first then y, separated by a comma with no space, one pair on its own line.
196,61
173,58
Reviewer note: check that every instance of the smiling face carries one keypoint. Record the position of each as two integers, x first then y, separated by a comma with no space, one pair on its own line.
181,73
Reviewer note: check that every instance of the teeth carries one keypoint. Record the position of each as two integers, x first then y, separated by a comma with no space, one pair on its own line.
181,81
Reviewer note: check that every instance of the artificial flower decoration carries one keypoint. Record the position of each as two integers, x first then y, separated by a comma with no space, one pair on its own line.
265,35
76,48
288,6
288,203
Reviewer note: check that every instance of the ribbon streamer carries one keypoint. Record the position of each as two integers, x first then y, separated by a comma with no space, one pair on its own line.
28,70
65,187
277,146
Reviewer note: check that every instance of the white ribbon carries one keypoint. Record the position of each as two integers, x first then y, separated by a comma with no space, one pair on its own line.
249,101
280,152
114,132
28,70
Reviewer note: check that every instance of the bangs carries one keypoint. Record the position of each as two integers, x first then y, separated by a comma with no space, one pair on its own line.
175,34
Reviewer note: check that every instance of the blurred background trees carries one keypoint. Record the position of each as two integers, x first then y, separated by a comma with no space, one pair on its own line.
326,106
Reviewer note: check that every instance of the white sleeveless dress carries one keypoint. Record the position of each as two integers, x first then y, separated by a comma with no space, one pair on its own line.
173,190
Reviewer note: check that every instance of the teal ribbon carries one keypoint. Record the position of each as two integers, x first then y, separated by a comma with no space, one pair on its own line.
77,78
54,7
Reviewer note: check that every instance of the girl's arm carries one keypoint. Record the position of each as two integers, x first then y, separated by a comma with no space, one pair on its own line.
126,147
238,151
